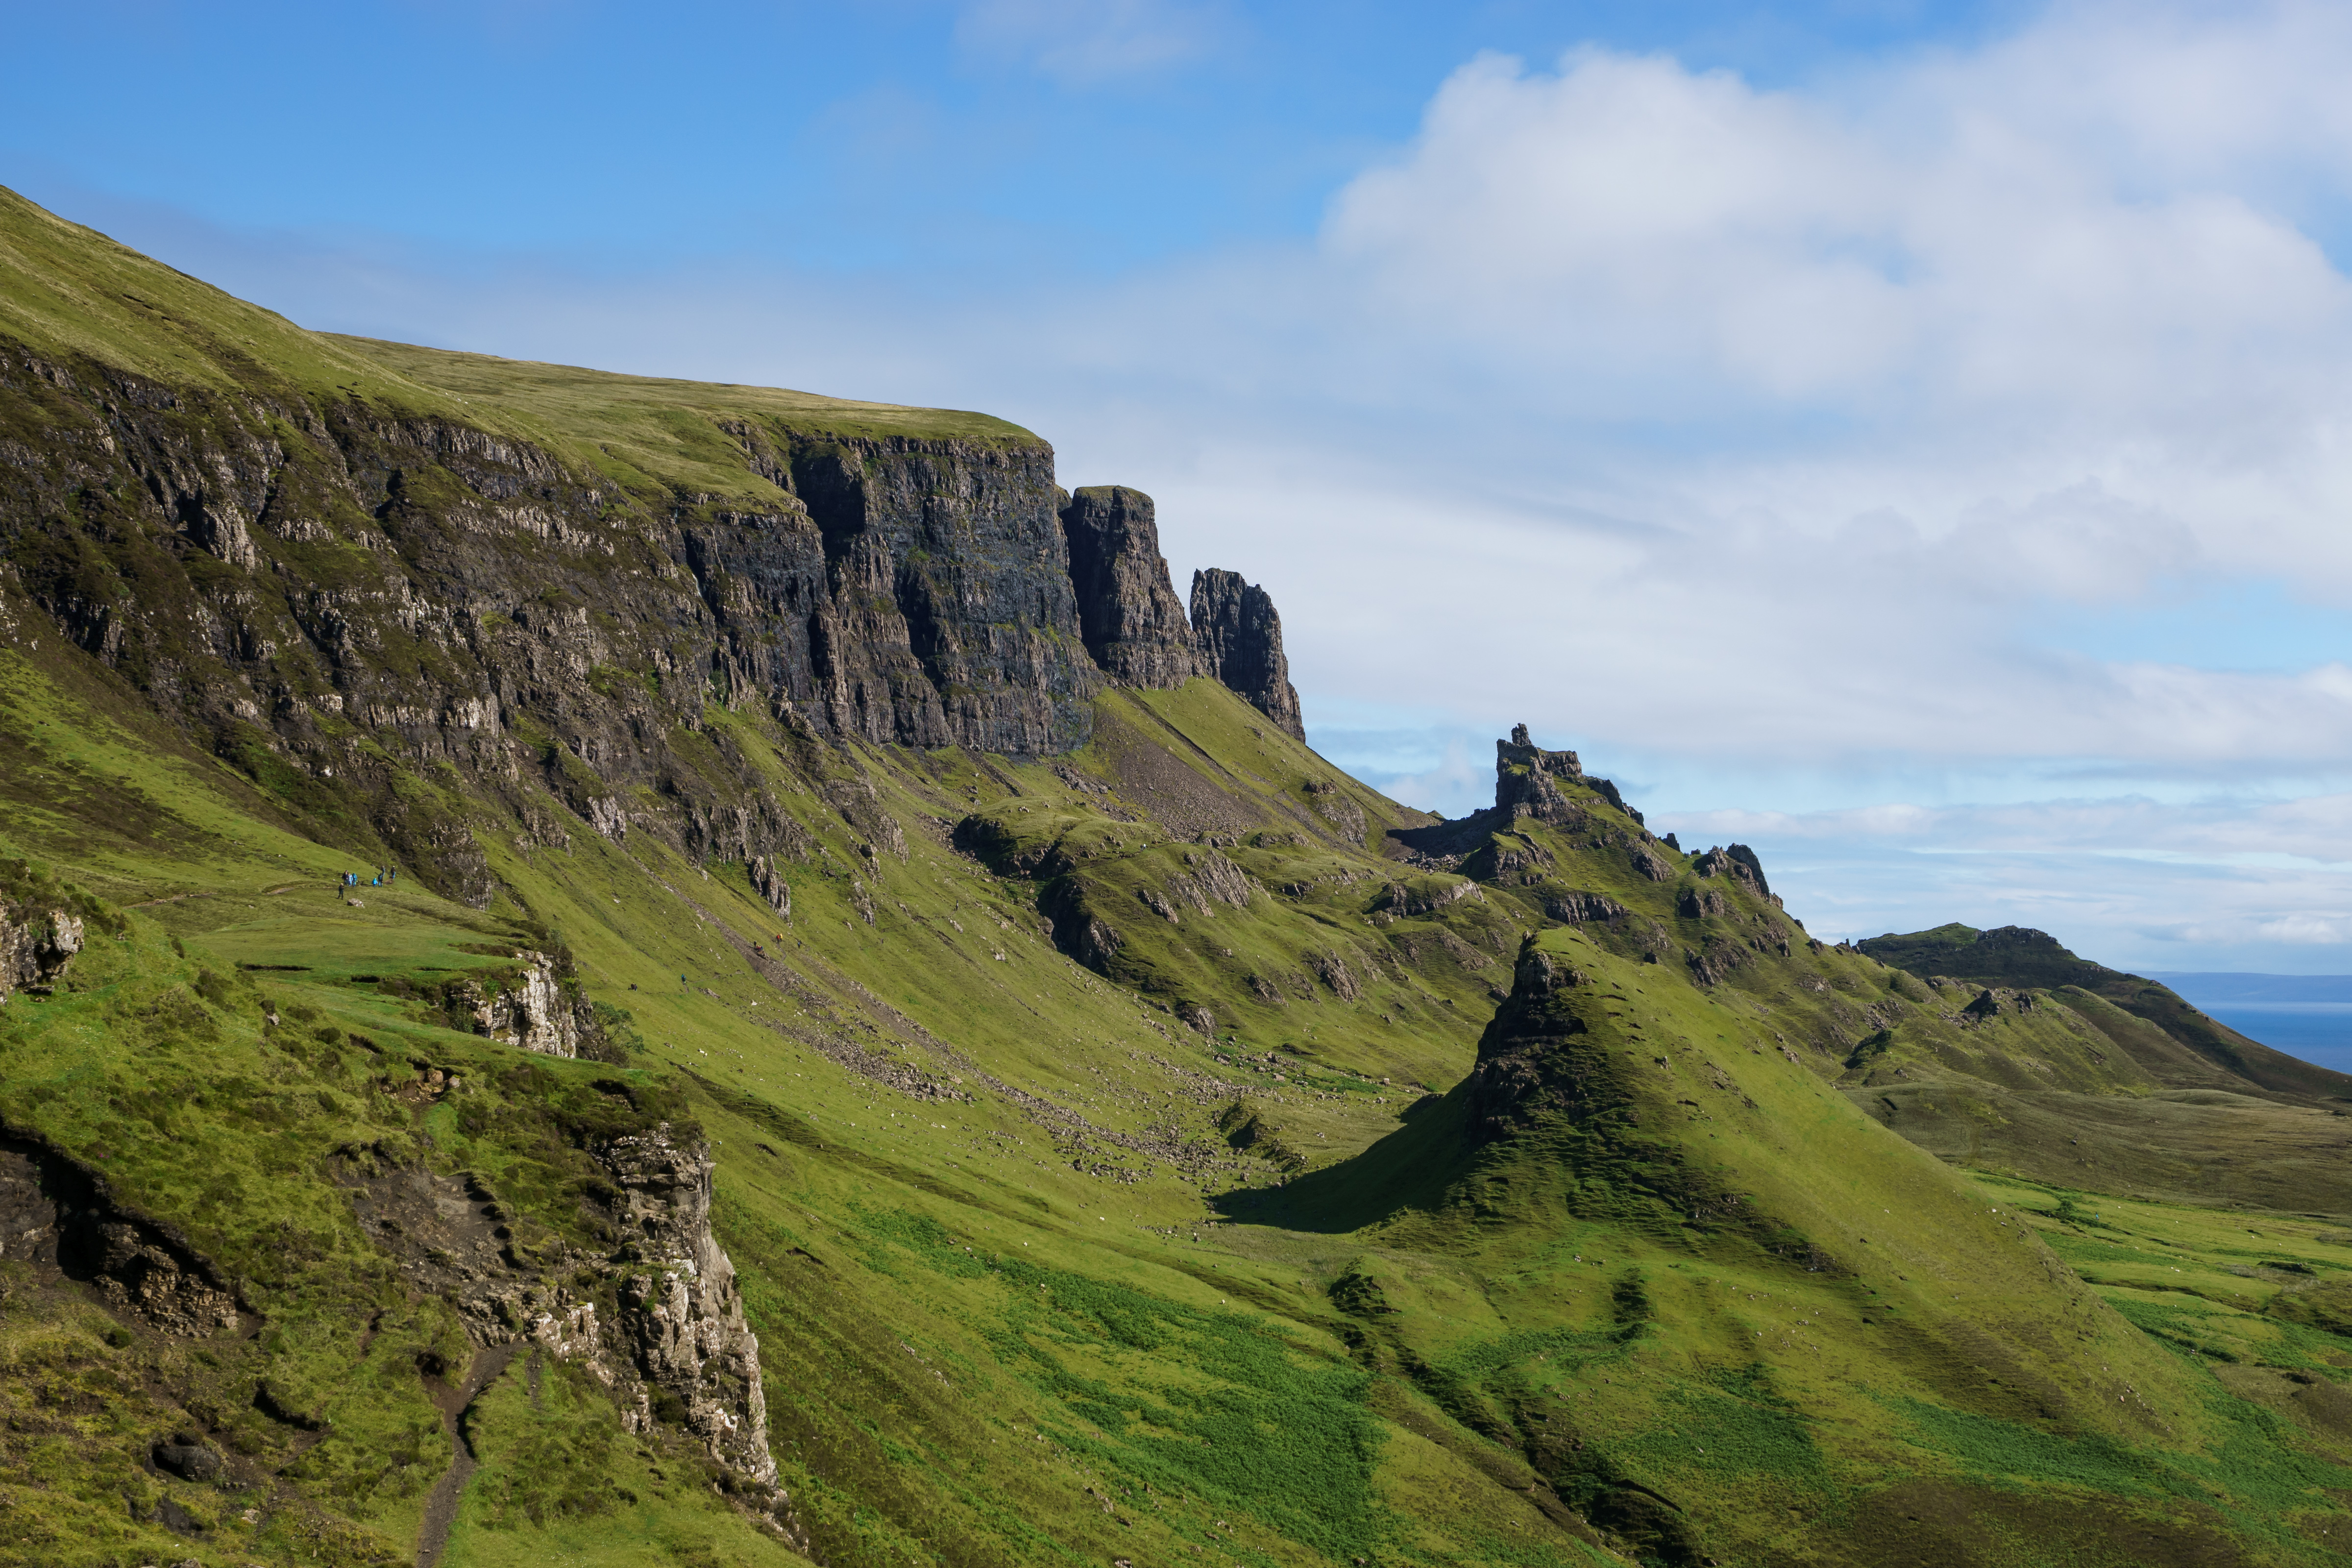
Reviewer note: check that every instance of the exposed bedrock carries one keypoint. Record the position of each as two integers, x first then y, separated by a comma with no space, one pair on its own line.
1553,788
405,616
56,1213
684,1316
1537,1056
952,619
1528,780
1739,863
368,599
35,945
1240,640
657,1320
1133,623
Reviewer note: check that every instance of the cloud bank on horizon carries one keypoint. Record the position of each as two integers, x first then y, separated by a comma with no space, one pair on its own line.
1927,462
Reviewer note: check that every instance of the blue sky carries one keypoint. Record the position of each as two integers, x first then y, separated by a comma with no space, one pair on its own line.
935,140
1911,438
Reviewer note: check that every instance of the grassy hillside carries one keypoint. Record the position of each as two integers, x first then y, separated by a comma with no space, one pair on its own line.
1065,1317
2138,1093
1169,1150
70,292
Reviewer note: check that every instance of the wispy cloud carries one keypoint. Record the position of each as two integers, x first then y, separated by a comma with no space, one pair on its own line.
1088,43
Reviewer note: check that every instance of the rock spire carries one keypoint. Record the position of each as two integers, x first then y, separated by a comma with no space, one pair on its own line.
1128,614
1240,640
1527,779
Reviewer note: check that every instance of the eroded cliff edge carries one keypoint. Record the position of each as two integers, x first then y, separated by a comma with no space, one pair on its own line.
382,615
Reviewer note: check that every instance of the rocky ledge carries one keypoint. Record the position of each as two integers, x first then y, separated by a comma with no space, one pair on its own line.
658,1319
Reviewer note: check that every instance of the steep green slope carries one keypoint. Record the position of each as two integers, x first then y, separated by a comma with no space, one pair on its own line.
1154,1148
2139,1093
68,292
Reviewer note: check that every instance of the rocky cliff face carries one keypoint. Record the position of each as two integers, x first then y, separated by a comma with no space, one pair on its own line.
657,1320
350,603
540,1012
1240,639
683,1315
1527,779
1133,622
56,1213
343,599
918,594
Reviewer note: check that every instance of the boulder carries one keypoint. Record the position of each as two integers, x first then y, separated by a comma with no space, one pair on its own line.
185,1455
35,945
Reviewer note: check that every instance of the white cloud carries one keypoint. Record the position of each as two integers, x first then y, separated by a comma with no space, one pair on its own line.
1762,441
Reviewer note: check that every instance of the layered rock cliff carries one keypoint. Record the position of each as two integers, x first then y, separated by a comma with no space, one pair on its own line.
1133,622
341,598
1240,638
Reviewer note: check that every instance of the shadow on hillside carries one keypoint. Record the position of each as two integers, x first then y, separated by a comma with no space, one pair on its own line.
1410,1169
1455,836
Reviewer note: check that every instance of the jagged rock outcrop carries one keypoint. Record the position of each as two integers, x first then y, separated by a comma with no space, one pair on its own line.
1208,875
56,1213
1239,636
1332,970
1739,863
669,1339
1695,902
35,945
1529,1060
1129,613
1400,900
1332,805
683,1314
770,884
1575,907
1528,780
1079,929
541,1011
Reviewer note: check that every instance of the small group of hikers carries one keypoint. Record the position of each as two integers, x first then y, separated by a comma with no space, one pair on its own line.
361,879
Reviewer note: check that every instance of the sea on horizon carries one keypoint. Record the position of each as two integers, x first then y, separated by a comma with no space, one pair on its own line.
2308,1017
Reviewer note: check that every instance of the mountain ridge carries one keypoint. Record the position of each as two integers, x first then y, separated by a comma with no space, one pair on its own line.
585,954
